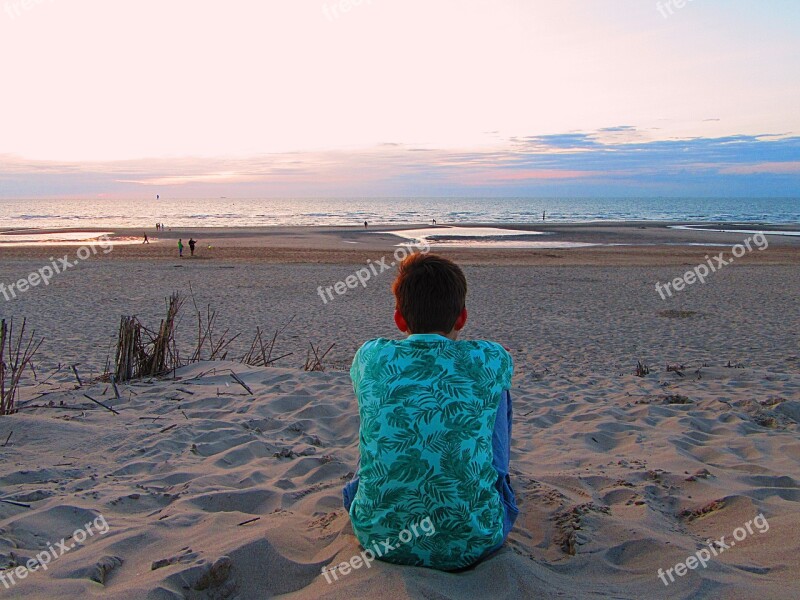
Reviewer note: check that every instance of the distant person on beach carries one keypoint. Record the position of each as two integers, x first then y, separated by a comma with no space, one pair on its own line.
435,429
191,246
434,222
180,247
366,224
146,241
544,215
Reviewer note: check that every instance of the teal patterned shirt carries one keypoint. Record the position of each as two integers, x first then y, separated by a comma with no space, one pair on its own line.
427,406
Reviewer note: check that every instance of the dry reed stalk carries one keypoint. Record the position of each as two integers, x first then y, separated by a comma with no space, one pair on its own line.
15,357
205,336
139,357
316,363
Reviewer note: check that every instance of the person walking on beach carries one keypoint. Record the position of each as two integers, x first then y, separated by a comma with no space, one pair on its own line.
544,215
180,247
191,246
146,241
366,224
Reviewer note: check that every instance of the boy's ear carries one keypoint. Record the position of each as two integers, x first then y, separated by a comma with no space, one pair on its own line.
400,322
461,320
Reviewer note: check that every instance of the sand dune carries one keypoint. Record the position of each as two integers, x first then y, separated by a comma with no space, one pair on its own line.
210,492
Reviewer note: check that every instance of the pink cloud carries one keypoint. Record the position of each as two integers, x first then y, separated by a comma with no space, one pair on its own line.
529,175
779,168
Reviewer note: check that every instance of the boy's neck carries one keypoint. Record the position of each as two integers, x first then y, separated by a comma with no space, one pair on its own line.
453,335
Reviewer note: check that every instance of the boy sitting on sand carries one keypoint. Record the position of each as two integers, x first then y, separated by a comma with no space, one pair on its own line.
433,488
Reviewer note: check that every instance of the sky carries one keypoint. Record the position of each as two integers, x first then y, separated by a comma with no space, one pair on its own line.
307,98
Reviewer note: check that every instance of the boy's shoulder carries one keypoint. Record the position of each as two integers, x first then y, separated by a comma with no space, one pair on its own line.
373,359
378,344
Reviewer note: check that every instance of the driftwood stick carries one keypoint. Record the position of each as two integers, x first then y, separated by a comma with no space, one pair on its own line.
203,374
51,375
55,407
22,504
316,358
8,438
101,404
116,390
261,346
317,364
241,383
326,352
269,362
271,346
41,395
78,377
289,322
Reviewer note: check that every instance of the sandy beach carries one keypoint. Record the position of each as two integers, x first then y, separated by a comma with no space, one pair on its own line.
204,208
211,490
631,243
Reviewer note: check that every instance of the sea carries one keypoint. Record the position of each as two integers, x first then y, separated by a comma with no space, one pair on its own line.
253,212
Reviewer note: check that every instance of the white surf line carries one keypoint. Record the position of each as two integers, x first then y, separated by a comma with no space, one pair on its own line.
702,228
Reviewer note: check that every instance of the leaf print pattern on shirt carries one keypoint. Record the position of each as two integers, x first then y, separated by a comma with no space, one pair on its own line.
427,406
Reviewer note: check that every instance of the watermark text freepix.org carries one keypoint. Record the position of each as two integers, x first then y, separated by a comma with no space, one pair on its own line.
56,267
703,270
379,550
715,548
667,8
332,10
11,576
14,8
373,269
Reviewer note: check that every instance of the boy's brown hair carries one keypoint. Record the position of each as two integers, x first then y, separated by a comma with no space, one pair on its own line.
430,292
